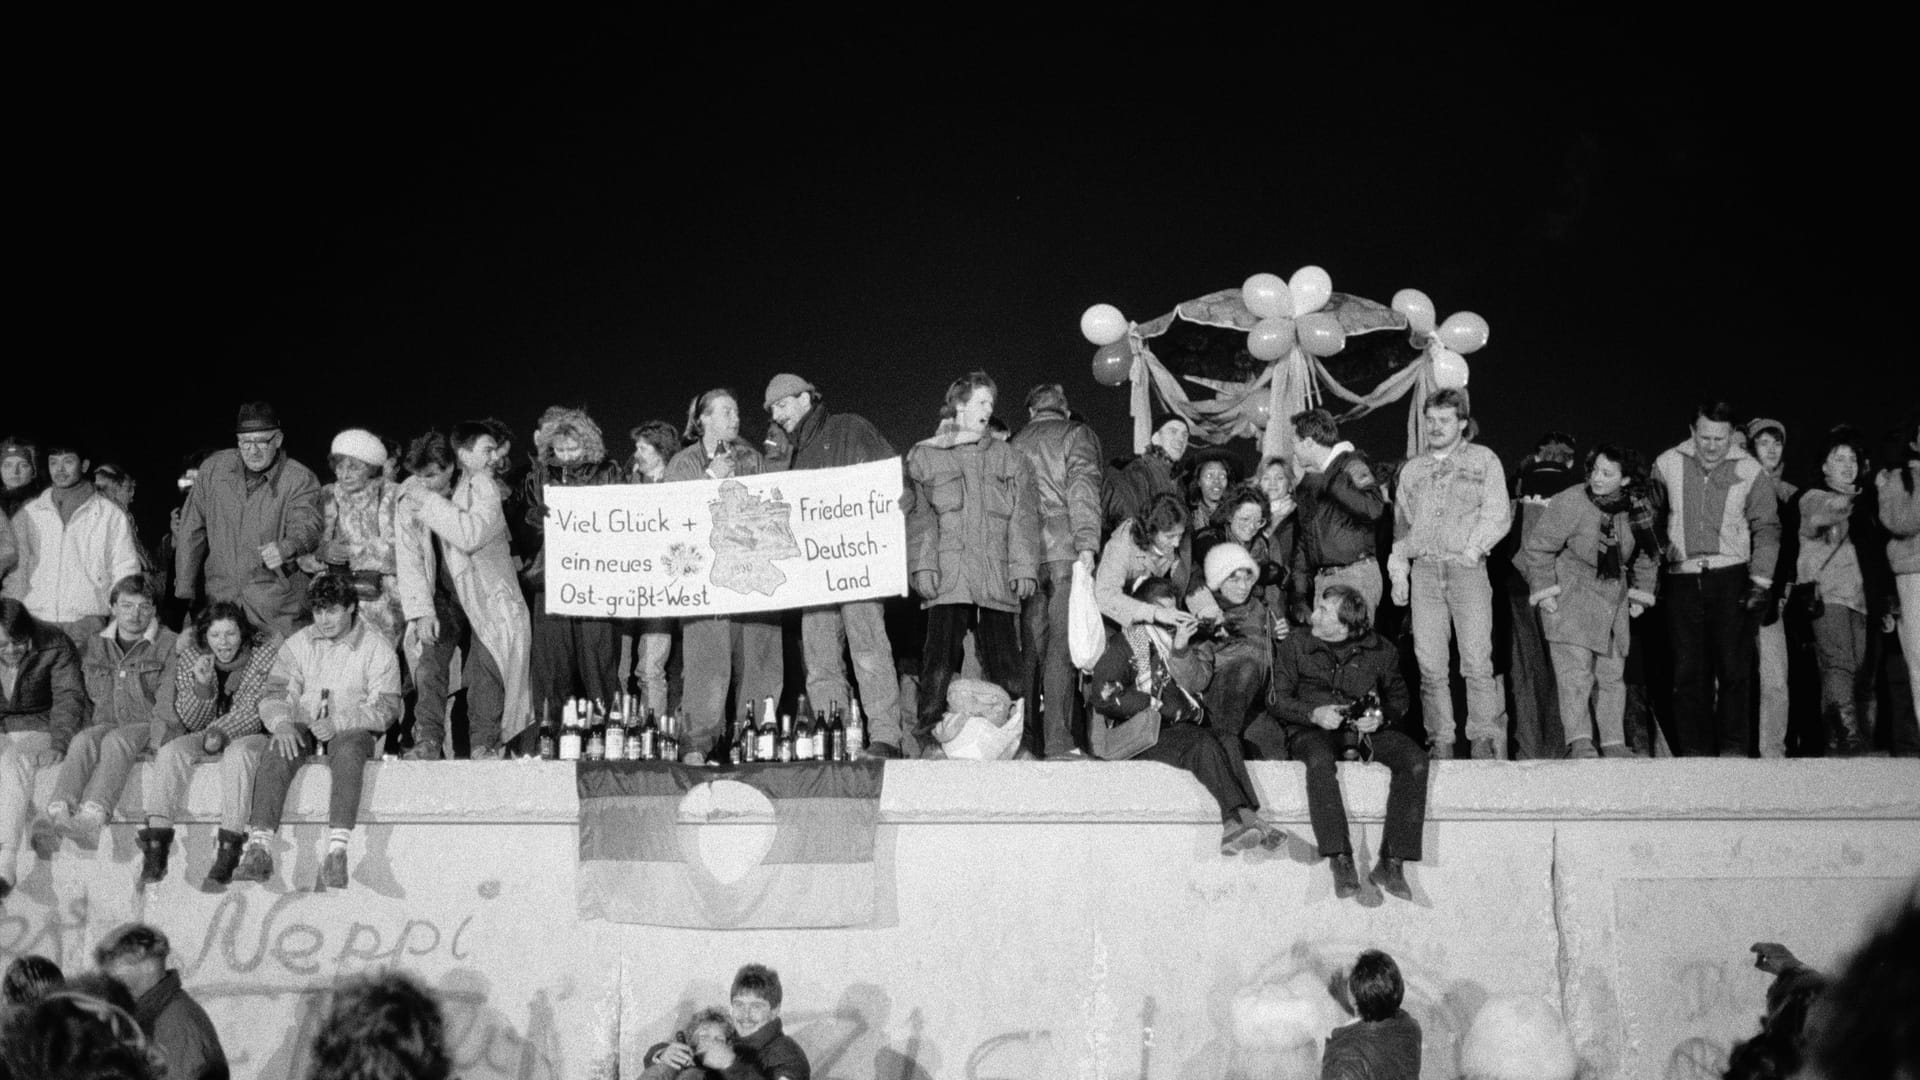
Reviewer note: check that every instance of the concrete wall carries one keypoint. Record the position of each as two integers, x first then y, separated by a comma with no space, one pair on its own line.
1043,921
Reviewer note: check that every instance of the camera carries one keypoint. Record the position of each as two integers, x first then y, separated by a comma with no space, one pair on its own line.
1354,743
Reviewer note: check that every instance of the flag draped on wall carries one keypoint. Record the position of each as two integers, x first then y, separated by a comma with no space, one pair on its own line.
640,864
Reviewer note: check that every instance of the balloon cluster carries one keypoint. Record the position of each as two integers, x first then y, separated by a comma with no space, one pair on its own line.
1289,313
1448,342
1104,326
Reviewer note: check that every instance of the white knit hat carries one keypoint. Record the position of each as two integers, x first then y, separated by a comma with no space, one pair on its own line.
362,445
1225,558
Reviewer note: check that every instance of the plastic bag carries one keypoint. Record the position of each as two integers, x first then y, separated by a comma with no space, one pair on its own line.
1086,633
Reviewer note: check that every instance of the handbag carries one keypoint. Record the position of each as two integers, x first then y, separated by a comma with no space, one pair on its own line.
1804,601
1086,633
1120,740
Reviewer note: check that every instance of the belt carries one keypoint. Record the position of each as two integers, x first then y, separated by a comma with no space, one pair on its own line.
1704,564
1331,567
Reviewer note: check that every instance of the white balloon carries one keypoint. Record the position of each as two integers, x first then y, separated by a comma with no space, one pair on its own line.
1103,324
1311,288
1449,368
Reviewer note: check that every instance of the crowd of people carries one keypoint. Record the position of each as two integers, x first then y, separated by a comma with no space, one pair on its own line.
1278,611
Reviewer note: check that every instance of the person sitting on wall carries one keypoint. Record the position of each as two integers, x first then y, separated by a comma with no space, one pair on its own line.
1384,1044
760,1043
1319,680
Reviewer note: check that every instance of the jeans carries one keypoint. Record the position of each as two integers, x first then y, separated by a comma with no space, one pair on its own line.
345,755
1908,586
742,651
1711,636
172,771
1451,601
486,689
98,761
947,626
22,756
857,630
1772,643
1584,675
653,647
1204,753
1049,664
1237,693
1406,791
1846,683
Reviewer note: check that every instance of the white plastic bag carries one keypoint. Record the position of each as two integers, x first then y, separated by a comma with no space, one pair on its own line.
1086,633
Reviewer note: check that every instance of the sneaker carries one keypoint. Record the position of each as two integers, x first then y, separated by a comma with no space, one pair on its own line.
1581,747
256,864
426,751
1346,876
485,753
1485,749
333,870
1387,874
1272,837
57,820
1238,837
86,825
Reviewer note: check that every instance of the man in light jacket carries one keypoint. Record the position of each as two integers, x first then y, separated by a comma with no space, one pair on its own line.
334,690
973,544
1064,455
1449,511
74,544
1723,539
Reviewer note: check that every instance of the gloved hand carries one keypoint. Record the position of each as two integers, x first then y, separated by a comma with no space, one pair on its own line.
1759,602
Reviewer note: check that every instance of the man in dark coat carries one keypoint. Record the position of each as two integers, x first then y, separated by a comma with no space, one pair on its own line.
252,512
818,439
1340,504
136,954
1064,455
1317,677
1384,1044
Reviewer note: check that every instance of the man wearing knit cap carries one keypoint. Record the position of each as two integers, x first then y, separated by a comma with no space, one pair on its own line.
251,513
819,439
74,544
1769,440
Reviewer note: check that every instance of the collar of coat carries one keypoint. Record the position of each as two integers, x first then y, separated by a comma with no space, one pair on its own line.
949,436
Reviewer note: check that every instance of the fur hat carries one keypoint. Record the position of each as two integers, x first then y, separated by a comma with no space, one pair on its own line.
1225,558
559,420
361,445
785,386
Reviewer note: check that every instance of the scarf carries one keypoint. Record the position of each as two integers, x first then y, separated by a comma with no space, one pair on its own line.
1146,640
222,677
1610,507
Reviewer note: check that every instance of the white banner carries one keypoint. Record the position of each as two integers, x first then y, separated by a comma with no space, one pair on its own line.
720,547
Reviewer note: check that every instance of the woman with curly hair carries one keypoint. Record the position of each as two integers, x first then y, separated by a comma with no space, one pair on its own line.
221,674
382,1026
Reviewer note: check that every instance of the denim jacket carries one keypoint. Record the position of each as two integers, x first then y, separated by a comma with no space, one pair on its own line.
1452,506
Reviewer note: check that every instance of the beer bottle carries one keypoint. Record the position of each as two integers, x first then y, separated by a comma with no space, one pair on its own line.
549,738
784,752
570,740
748,735
596,744
649,738
669,738
616,735
803,733
856,730
836,742
766,741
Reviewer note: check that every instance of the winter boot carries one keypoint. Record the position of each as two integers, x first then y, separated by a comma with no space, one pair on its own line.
224,861
1346,876
154,847
256,864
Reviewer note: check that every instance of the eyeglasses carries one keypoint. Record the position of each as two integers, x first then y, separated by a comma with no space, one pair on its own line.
258,442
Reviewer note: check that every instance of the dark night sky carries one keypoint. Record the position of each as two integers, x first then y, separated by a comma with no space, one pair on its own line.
459,221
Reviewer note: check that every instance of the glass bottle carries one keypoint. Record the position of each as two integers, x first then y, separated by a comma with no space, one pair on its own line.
856,731
570,740
784,737
549,735
766,742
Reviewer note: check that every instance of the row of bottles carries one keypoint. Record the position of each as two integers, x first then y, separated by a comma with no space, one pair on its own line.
588,730
797,736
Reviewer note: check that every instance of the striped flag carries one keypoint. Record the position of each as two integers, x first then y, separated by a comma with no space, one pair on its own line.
812,867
